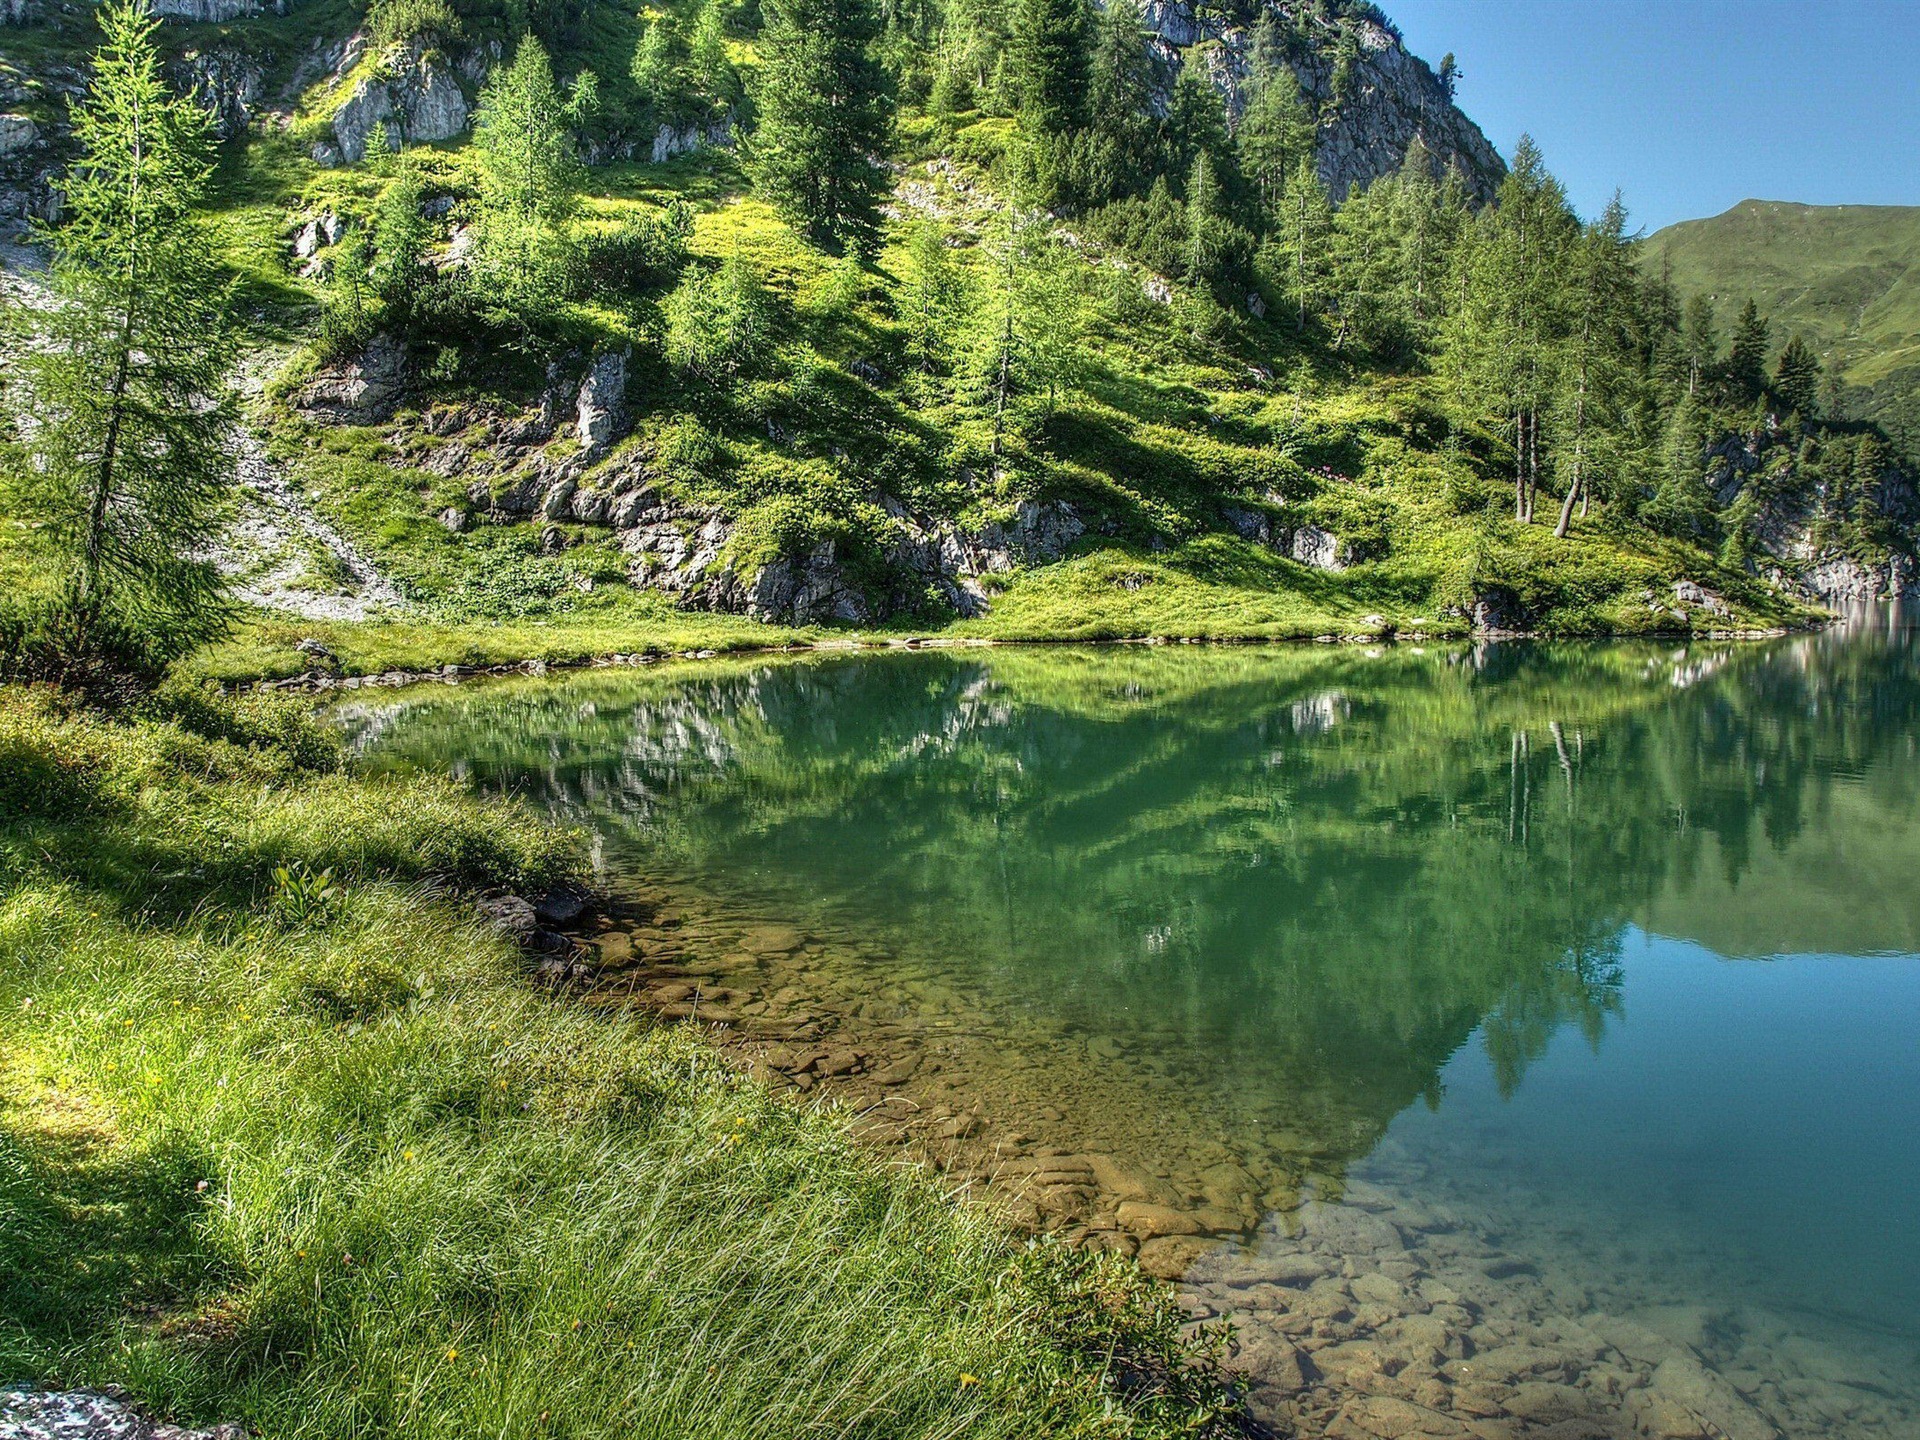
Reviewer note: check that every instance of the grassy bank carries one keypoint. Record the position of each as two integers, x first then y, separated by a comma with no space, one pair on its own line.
315,1156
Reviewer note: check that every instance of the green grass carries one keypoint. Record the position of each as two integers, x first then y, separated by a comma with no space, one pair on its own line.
340,1170
1848,276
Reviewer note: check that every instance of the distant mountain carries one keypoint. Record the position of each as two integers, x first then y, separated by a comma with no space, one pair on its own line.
1847,276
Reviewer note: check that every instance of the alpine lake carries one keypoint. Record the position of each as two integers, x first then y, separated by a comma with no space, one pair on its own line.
1511,1039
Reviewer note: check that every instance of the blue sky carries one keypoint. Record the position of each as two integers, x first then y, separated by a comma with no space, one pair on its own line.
1692,107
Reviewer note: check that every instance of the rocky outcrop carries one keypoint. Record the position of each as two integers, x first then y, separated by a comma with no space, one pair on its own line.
227,81
669,142
414,92
214,12
1372,104
19,12
600,412
364,391
90,1415
1785,522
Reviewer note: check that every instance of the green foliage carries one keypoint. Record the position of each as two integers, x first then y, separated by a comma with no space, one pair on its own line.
392,22
639,251
526,252
824,120
303,896
126,460
718,321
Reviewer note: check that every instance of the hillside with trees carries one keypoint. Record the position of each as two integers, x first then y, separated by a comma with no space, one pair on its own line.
1028,319
1844,277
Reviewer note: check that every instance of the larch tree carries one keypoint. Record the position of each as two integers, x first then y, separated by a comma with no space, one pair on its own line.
1504,340
825,119
127,416
529,187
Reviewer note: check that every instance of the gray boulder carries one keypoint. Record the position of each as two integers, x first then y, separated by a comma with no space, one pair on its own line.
365,391
18,134
601,410
90,1415
414,94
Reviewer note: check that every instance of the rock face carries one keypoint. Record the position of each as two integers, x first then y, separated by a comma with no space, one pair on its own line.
228,82
600,413
213,12
90,1415
415,95
1371,107
18,12
365,391
1786,525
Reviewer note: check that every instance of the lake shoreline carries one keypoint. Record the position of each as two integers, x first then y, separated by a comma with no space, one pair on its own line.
321,682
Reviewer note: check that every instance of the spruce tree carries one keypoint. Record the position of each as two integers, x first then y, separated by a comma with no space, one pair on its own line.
1050,59
1120,103
825,118
1196,122
1796,378
128,458
1747,361
1299,242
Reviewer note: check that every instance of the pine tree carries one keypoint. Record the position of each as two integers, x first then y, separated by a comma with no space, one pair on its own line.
128,459
824,120
529,189
1747,361
1050,63
1796,378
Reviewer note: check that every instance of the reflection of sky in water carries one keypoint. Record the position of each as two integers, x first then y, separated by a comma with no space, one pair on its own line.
1756,1115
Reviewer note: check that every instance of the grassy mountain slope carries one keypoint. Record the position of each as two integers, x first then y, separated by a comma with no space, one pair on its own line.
1847,276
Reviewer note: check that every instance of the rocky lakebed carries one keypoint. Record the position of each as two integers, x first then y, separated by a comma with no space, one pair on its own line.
1406,1303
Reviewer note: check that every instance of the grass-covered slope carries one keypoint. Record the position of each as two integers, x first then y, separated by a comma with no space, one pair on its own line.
1846,276
315,1156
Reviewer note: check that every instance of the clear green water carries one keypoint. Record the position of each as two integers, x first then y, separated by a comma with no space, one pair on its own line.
1610,950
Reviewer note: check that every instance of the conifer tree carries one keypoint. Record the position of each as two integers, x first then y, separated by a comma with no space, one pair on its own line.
930,297
529,188
1796,378
1601,371
1206,223
1700,340
128,457
1300,240
1504,340
1747,361
1275,132
1196,121
1049,52
825,118
1120,101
